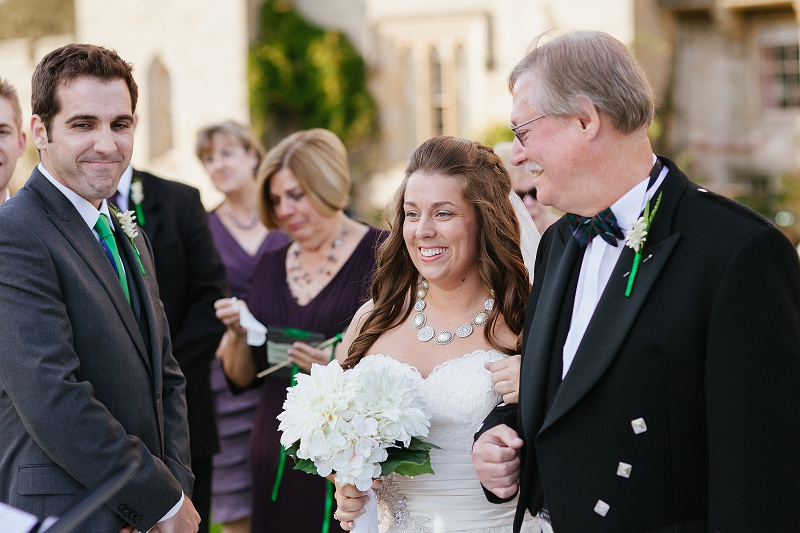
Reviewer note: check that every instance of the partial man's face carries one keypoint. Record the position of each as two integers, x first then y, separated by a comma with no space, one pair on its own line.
12,144
550,152
91,137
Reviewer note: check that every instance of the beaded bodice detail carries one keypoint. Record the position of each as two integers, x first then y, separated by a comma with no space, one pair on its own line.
458,396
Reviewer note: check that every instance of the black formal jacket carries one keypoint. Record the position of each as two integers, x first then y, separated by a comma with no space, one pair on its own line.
191,277
706,351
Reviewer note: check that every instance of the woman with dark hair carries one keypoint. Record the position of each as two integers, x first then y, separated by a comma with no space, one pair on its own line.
448,305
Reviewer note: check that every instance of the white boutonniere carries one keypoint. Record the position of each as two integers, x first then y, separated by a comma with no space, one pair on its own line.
637,237
127,222
137,197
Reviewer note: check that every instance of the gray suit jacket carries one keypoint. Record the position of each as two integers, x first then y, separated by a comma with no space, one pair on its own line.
87,381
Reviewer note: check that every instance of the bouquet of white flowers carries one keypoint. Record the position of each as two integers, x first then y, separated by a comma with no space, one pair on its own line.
358,423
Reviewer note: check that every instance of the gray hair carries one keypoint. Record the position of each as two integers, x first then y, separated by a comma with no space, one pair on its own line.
591,65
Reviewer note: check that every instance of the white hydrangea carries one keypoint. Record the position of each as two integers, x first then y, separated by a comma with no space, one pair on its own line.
346,420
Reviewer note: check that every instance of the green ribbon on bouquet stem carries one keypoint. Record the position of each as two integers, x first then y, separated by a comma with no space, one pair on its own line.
326,520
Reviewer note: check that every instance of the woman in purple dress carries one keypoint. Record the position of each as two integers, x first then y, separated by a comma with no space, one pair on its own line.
231,154
316,283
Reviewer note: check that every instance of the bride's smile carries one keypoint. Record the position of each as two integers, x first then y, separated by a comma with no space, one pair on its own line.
440,229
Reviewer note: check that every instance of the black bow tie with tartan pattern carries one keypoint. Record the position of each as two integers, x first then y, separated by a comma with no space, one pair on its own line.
604,224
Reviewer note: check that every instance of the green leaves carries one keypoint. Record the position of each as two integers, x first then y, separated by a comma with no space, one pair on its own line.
411,461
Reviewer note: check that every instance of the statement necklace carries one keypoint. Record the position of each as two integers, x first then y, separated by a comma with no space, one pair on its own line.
301,282
250,224
426,333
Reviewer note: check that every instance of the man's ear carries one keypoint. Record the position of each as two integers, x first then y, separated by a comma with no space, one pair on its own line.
589,117
135,121
38,132
23,142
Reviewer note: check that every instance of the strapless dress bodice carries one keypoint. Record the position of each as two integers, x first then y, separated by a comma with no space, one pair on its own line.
458,395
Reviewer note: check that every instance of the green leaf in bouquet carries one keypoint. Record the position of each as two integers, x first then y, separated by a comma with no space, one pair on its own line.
305,465
411,469
418,444
291,451
407,462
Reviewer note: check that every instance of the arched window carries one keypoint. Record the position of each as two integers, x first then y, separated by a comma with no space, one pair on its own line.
160,112
437,96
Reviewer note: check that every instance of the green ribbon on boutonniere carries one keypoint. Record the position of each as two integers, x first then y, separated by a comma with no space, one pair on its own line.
636,238
137,197
128,225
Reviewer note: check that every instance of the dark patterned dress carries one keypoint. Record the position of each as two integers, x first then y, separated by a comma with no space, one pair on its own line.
300,504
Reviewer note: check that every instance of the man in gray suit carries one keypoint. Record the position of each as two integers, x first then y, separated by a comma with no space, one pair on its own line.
88,382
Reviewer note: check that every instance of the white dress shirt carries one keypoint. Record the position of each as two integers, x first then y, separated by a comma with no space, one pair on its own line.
90,214
124,189
599,261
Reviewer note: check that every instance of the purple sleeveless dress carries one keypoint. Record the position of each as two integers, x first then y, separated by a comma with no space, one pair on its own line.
231,484
300,505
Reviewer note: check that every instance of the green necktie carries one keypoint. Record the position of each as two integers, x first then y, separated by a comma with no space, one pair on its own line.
107,238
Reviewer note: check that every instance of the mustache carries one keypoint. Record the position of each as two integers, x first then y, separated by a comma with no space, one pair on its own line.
532,168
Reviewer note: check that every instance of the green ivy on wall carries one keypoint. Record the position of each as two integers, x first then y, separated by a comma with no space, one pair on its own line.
303,76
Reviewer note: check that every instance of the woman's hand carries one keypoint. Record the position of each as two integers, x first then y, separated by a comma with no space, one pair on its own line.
227,310
350,502
304,355
233,351
505,376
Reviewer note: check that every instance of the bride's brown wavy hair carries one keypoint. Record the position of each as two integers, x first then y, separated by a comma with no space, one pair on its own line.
486,185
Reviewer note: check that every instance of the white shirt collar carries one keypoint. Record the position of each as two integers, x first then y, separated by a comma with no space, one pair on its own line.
628,208
87,211
124,188
8,195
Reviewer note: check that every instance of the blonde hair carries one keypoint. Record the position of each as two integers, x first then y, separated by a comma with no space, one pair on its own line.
237,132
318,161
590,65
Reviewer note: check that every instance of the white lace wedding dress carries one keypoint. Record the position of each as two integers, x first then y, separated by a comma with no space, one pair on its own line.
458,395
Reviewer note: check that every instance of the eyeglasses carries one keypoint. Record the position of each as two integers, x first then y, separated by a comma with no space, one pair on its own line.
515,129
522,194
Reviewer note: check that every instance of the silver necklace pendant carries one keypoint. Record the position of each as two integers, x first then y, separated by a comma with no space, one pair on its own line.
444,337
426,333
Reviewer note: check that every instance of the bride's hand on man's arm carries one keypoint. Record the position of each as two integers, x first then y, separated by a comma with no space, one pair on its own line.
350,502
233,351
505,376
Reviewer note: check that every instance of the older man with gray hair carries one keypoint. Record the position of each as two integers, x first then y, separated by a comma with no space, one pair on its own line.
660,385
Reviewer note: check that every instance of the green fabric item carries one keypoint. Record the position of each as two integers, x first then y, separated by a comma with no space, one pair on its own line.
103,229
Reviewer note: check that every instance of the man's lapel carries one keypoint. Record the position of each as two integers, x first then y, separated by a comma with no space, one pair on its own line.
140,286
150,205
564,251
616,313
69,223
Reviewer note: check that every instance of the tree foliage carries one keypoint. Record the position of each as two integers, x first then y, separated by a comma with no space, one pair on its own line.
303,76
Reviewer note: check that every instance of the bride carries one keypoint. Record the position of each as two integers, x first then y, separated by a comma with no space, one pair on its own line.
448,303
